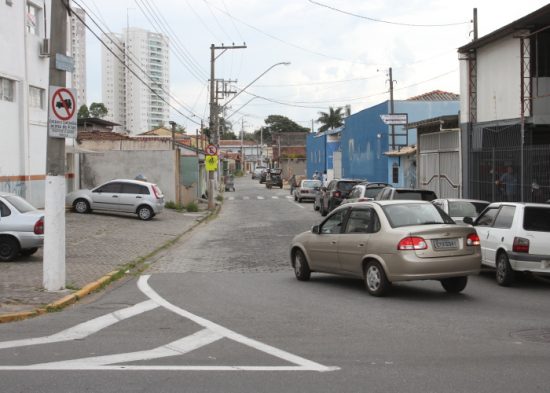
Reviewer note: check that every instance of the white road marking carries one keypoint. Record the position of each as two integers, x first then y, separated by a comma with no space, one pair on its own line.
211,333
85,329
275,197
260,197
231,198
289,196
296,204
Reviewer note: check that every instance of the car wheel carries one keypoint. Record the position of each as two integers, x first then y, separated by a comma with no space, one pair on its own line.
29,251
295,198
324,212
504,274
301,267
81,206
9,248
315,206
145,213
299,200
376,282
454,284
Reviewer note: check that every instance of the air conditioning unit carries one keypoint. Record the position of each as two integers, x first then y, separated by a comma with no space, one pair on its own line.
45,48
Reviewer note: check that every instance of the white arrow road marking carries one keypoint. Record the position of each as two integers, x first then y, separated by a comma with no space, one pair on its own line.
211,333
84,329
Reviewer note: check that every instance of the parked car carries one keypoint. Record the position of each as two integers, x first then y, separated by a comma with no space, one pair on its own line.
257,172
389,241
458,209
307,190
21,227
515,237
122,195
390,193
364,192
334,193
275,178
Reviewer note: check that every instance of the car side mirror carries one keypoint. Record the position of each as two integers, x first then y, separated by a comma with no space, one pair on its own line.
468,220
315,229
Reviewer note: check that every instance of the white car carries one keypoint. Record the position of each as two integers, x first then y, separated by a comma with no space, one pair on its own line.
514,237
459,208
307,190
258,171
121,195
21,227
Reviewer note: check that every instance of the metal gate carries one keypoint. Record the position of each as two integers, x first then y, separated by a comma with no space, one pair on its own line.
337,164
440,163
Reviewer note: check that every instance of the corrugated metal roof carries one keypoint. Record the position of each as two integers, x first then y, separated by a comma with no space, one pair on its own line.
436,95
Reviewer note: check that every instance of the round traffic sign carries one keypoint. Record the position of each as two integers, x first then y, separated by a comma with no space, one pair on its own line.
211,150
63,104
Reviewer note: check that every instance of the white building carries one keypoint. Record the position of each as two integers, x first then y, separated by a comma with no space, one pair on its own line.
23,97
78,52
129,101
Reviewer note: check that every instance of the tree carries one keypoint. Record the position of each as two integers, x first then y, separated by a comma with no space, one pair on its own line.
276,124
83,112
98,109
331,120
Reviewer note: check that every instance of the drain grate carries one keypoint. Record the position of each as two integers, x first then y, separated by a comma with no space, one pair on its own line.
533,335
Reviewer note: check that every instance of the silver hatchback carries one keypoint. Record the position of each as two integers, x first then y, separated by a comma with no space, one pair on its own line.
122,195
21,227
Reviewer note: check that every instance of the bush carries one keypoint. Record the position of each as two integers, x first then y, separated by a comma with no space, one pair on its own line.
239,173
173,205
192,207
219,198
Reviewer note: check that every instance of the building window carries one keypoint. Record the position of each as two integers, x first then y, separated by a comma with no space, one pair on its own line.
395,174
7,90
36,97
33,17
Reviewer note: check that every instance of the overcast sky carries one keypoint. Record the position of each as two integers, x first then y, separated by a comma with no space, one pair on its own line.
336,58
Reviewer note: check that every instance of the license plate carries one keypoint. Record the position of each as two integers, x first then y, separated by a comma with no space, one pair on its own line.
445,244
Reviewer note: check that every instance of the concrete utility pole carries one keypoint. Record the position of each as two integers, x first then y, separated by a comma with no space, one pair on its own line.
213,121
54,239
391,110
475,24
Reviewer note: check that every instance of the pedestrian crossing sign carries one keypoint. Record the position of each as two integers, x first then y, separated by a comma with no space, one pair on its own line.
211,163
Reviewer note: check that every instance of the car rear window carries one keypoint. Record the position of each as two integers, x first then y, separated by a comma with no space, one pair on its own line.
311,183
372,192
345,185
403,215
415,195
537,219
466,208
20,204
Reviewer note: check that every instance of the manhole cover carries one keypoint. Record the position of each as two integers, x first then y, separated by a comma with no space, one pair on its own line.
534,335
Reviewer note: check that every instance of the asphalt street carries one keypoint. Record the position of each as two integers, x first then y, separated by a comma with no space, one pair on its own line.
221,311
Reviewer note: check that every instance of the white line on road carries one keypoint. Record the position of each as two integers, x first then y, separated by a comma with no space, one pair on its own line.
275,197
231,198
260,197
84,329
296,204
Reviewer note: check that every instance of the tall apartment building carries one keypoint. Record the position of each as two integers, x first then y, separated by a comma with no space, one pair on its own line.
78,52
129,101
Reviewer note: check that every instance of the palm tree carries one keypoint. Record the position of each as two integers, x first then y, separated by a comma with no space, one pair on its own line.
331,120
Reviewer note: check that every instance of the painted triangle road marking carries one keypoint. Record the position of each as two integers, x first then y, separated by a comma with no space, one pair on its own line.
210,333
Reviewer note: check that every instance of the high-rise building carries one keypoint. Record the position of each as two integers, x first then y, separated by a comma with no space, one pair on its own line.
78,53
129,101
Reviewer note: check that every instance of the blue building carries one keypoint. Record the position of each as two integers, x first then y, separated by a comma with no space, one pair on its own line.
365,140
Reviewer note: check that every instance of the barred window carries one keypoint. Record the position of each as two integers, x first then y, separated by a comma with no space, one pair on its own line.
7,87
36,97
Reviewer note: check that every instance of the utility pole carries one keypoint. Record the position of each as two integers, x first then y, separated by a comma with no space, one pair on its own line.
213,121
242,146
54,239
391,111
475,24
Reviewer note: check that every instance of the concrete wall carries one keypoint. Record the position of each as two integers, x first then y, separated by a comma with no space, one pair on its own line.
498,80
157,166
293,166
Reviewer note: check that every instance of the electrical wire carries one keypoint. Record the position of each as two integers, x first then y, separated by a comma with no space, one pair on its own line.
386,21
131,70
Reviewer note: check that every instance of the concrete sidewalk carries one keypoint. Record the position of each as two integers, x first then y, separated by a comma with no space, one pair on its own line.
96,245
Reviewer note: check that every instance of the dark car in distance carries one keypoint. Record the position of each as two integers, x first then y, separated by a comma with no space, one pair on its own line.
334,193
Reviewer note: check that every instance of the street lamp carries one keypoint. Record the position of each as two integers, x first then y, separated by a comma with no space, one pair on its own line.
259,76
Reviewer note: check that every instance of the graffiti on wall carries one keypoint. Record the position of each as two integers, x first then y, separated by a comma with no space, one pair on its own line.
16,187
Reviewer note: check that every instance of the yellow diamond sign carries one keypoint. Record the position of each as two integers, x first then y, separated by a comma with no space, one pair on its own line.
211,163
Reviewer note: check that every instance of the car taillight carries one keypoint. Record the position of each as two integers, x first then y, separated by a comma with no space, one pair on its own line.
520,245
337,194
157,192
472,239
39,227
412,243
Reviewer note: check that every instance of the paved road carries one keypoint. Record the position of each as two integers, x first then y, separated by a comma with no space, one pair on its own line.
221,312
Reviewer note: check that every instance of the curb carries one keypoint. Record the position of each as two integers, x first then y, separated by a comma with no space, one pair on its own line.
65,301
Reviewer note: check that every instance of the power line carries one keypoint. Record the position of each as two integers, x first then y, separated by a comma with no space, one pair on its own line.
131,70
385,21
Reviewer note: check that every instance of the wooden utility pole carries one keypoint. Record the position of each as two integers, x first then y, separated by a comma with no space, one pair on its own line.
54,239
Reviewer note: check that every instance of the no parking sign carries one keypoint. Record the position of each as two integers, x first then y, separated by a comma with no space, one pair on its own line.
62,112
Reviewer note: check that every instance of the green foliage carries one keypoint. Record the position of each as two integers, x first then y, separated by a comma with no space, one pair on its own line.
238,173
174,206
228,135
276,124
98,109
331,120
83,112
219,198
192,207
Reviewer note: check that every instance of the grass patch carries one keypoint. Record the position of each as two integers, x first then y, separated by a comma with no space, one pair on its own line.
192,207
174,206
219,198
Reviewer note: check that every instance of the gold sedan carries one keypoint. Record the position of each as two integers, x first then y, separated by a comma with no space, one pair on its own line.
389,241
